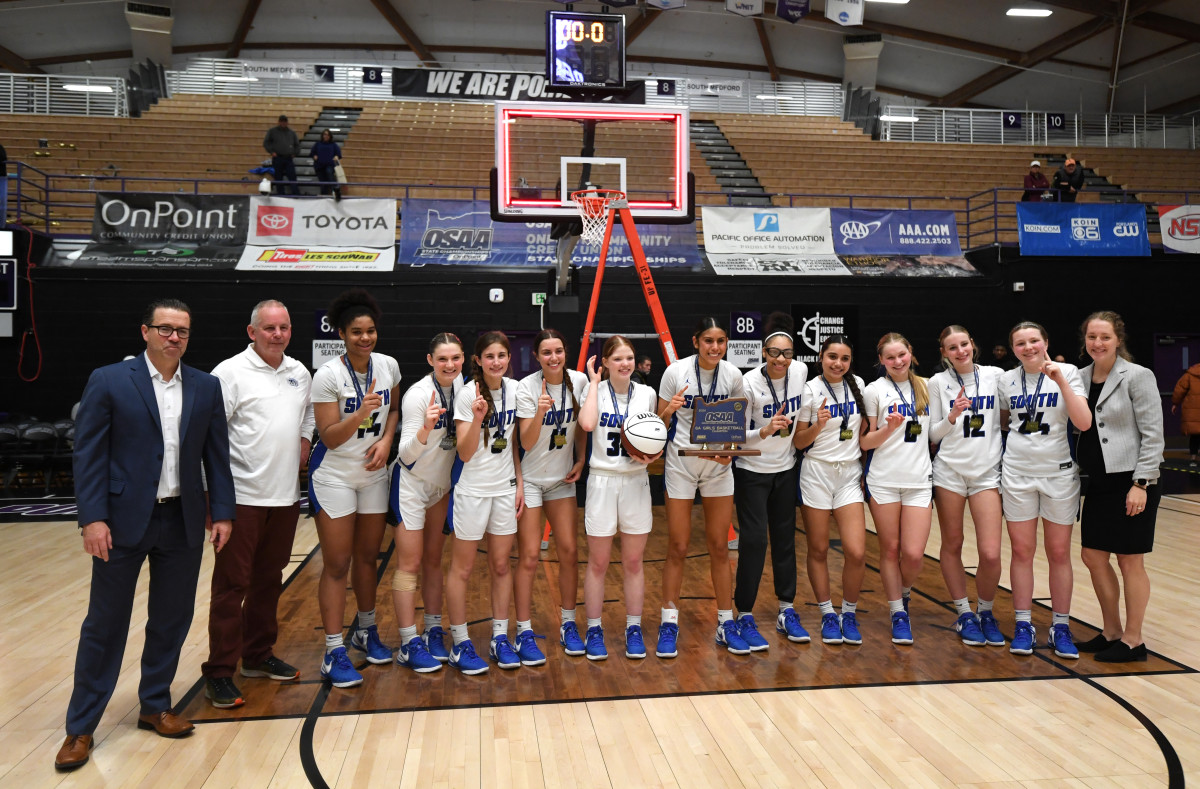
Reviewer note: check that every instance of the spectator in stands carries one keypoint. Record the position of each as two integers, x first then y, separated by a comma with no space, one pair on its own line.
1001,357
326,157
1186,397
1036,185
641,373
1068,181
283,145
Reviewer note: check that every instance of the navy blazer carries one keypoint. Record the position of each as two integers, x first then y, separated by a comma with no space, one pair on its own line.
119,451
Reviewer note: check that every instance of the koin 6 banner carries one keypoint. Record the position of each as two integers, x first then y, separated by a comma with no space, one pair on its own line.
279,221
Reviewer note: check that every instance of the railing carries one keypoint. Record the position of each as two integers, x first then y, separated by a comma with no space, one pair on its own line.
1019,127
55,94
984,219
226,77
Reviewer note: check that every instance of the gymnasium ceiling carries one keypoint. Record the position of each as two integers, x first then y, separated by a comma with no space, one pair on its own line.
940,52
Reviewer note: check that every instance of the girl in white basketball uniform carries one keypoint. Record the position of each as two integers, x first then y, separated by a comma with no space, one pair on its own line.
618,493
964,409
765,485
548,413
705,375
1040,479
352,399
488,499
899,474
420,494
831,483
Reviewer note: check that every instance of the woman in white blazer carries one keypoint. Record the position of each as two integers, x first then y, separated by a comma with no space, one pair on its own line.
1121,454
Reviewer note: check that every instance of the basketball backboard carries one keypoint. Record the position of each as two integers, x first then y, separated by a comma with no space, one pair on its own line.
546,150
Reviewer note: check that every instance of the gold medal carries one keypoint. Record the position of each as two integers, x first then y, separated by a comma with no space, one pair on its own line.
560,438
846,434
448,442
367,423
912,429
976,421
499,444
785,432
1030,426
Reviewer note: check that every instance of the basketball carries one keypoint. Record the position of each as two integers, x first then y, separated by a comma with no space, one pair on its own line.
643,435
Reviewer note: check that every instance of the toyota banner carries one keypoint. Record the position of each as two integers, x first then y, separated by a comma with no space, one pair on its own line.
1071,229
288,234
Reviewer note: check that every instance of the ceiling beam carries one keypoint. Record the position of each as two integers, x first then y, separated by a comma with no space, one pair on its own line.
1045,51
243,28
768,55
1077,64
1158,54
1188,105
1115,60
1104,8
1169,25
17,64
389,12
639,25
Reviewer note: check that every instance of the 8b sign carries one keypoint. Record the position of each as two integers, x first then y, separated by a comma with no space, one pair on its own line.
745,339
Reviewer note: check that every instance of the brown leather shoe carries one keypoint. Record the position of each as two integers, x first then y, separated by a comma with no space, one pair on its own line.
75,751
166,723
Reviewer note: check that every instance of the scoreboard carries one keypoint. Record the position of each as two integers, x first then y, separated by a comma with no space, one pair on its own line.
585,50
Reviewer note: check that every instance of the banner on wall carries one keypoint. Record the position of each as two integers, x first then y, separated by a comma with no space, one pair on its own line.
792,10
367,222
1180,228
817,322
277,69
712,87
844,12
770,241
1082,229
468,85
462,232
899,243
744,7
165,231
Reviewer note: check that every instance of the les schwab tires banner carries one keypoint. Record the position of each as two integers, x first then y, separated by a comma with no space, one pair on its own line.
287,234
1180,228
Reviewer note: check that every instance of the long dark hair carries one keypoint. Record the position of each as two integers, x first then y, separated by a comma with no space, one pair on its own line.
555,334
851,381
704,324
481,345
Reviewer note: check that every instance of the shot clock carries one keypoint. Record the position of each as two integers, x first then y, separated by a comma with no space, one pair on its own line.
585,50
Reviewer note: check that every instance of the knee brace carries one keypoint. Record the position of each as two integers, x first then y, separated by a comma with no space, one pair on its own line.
403,581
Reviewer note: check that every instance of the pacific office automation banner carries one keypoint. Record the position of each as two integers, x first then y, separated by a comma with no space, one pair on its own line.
1180,228
288,234
1082,229
462,232
165,231
899,243
770,241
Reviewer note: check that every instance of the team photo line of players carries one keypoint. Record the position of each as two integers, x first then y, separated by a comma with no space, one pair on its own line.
861,443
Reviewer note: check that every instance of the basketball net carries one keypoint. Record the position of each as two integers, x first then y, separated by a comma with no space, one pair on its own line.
594,205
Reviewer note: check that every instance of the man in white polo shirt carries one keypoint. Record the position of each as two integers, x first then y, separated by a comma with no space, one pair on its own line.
270,430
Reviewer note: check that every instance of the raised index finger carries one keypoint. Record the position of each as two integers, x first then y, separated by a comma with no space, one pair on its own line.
432,398
824,401
681,391
962,392
372,388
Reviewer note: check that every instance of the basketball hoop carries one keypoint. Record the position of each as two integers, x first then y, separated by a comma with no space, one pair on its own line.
593,207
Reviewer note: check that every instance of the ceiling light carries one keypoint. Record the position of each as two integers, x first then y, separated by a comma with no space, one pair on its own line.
1039,12
899,118
235,79
88,88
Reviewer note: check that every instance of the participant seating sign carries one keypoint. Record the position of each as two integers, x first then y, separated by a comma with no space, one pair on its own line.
1082,229
462,232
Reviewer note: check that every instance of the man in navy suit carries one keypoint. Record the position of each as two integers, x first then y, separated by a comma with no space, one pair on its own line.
144,427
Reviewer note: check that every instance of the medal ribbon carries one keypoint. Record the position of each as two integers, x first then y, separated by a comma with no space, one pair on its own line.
771,387
617,403
912,408
358,390
451,428
712,390
974,408
503,408
560,415
1031,405
846,393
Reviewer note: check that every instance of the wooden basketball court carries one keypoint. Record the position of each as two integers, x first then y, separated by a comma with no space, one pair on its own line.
934,714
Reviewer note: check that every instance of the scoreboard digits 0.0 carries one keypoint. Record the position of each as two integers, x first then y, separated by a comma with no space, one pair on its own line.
585,50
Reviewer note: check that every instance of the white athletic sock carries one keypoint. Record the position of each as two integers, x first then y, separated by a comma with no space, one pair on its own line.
896,605
433,620
366,619
984,605
962,605
408,634
906,592
1060,619
785,605
1024,616
523,626
333,642
499,627
459,633
826,607
849,607
630,621
593,622
670,616
724,616
568,614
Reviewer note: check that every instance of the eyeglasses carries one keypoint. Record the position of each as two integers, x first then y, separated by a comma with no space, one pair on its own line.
775,353
167,331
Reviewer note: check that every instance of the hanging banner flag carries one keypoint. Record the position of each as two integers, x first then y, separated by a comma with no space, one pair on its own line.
665,5
865,232
744,7
792,10
462,231
844,12
770,241
1180,227
1082,229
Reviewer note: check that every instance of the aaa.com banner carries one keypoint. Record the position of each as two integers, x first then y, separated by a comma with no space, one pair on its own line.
287,221
462,232
1082,229
862,232
1180,227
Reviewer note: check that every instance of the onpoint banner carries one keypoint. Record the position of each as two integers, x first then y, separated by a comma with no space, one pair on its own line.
366,222
164,231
